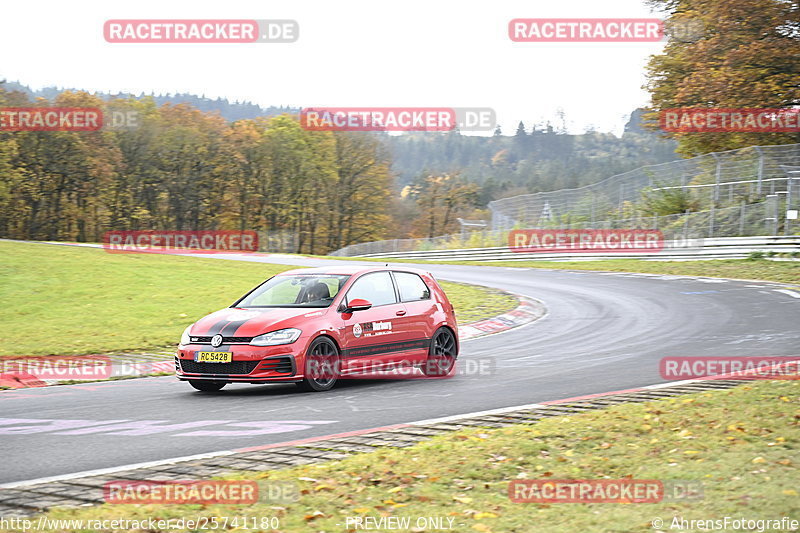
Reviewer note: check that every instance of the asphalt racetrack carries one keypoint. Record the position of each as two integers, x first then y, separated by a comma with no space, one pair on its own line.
602,332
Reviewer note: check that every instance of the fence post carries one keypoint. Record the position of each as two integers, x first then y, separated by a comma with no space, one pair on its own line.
771,206
742,213
717,176
786,221
711,222
686,225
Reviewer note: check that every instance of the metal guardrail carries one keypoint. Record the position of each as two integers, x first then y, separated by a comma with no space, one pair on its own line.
676,250
759,219
743,192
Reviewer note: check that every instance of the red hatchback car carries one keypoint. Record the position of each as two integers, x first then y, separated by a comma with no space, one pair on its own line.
314,326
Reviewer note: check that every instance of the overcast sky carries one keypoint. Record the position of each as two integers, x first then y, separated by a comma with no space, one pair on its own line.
449,53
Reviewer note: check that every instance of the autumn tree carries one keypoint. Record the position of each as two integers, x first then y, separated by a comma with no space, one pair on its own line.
247,169
178,168
358,210
60,177
439,198
12,208
737,54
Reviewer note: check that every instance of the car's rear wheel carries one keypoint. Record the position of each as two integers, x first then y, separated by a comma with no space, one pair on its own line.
205,385
322,366
441,354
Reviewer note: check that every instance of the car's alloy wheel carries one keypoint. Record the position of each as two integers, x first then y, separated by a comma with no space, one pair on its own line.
322,366
441,354
206,385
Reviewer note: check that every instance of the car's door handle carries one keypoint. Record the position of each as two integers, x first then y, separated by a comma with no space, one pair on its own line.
400,313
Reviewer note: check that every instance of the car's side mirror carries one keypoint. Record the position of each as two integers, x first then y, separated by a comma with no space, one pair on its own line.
357,304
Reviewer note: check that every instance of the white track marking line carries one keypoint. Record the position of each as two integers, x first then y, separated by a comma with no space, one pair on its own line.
498,411
787,291
113,469
674,383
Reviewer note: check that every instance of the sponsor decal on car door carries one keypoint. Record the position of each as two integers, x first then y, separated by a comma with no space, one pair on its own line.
376,337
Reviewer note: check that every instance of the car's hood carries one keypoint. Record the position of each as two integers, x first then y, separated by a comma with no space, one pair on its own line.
238,322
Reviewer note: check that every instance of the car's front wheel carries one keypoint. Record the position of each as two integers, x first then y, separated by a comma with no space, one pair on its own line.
441,354
206,385
322,366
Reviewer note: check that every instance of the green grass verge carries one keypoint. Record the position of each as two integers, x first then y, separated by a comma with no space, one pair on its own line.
475,303
741,444
752,269
72,300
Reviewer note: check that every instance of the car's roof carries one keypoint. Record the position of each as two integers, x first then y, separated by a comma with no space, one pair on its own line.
350,270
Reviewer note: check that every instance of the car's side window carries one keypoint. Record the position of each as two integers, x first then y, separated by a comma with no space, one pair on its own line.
376,287
411,287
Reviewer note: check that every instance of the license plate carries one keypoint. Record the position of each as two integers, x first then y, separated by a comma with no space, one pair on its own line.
213,357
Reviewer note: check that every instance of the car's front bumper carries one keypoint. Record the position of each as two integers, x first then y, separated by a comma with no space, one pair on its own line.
251,364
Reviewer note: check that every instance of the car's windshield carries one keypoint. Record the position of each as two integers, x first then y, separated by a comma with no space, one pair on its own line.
300,290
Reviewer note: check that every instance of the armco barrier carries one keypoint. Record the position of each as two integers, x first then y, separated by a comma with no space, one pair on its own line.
678,250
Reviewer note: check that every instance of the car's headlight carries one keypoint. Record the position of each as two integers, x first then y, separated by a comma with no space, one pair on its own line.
283,336
185,336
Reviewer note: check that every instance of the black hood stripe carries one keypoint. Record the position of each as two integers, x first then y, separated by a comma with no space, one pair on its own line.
230,329
226,327
217,328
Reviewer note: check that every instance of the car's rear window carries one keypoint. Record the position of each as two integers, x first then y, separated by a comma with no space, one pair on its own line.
299,290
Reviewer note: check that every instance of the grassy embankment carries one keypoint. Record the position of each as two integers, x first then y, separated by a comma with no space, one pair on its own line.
71,300
741,444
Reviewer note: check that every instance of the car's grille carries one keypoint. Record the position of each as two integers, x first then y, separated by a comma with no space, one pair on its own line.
225,340
234,367
281,365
